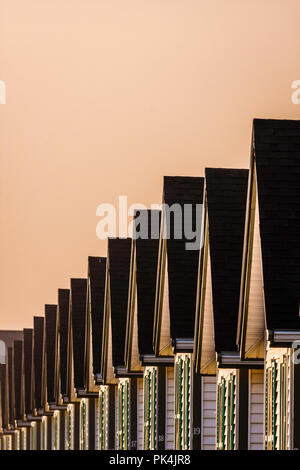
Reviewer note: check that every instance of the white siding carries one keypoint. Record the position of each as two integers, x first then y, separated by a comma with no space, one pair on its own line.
208,413
170,402
289,404
256,410
255,319
165,314
208,337
140,413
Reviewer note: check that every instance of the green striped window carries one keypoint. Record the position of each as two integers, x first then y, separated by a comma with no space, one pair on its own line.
221,414
182,401
123,409
231,414
276,404
8,443
226,413
33,436
44,433
17,440
150,408
103,404
83,424
23,439
69,427
56,430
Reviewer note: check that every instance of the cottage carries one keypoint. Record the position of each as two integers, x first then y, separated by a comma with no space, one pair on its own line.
269,302
93,345
175,304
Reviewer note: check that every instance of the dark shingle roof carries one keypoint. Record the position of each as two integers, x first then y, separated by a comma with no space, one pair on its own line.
182,263
4,394
28,350
38,340
119,252
11,384
50,349
18,377
97,277
63,306
226,192
277,155
146,274
78,311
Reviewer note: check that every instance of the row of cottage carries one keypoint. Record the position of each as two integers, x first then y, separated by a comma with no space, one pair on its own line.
165,347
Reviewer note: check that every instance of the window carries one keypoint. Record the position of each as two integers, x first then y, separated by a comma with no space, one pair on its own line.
103,404
83,424
8,443
33,437
226,413
17,440
69,428
44,433
182,401
123,416
276,404
55,431
150,408
23,439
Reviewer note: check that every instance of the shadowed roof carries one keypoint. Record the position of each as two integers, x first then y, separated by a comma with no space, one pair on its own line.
182,263
50,349
78,312
38,339
146,274
28,351
18,377
276,146
226,195
119,252
63,307
97,277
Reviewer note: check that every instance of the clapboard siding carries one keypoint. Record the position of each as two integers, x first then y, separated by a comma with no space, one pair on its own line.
140,413
256,410
170,407
208,338
208,413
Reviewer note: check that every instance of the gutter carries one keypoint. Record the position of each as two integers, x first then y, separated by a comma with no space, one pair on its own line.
232,360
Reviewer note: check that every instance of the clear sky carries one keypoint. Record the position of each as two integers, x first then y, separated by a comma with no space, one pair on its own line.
104,97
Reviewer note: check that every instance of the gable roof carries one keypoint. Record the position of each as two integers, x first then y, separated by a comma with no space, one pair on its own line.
50,350
226,195
119,254
18,378
146,275
63,312
182,263
96,279
38,340
28,371
11,385
4,395
276,153
78,301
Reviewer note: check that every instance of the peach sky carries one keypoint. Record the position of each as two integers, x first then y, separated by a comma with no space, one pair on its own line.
104,97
